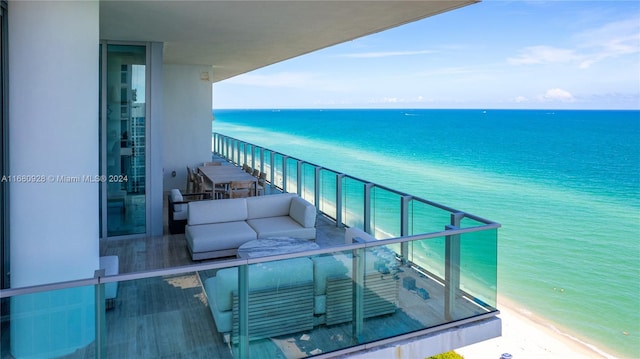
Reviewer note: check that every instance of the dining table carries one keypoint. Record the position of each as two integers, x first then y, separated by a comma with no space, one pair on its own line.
224,175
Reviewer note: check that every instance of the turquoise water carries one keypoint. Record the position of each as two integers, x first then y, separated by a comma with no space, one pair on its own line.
565,185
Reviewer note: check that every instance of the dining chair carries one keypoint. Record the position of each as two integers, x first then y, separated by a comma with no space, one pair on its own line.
240,189
204,187
191,182
262,183
255,173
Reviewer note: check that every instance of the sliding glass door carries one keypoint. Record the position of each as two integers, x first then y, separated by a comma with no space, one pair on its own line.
124,138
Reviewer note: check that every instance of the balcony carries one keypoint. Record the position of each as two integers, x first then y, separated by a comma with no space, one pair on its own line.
428,284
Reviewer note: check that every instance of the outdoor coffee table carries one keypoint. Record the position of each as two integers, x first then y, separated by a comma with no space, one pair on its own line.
273,246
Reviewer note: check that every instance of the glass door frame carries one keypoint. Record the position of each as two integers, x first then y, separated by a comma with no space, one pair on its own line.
103,139
5,242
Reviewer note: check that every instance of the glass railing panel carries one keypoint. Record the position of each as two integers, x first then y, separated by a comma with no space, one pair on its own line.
386,210
278,178
233,150
248,154
268,165
257,162
479,266
468,222
304,306
429,255
163,316
51,324
292,175
353,202
308,181
240,147
385,213
229,148
328,193
426,218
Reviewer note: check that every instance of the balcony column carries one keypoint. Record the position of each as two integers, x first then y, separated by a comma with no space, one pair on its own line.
452,267
53,131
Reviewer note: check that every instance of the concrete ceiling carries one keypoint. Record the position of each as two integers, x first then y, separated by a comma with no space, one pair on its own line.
239,36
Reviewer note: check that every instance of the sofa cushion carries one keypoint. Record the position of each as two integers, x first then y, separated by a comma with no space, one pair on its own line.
303,212
275,205
222,210
283,226
218,236
223,319
261,275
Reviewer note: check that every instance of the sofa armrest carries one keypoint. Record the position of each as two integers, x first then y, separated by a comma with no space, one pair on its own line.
303,212
177,206
354,234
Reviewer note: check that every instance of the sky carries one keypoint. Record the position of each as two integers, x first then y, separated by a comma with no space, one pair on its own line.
494,54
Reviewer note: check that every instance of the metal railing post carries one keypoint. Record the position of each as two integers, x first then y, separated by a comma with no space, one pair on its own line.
316,190
272,157
215,143
234,150
299,177
339,178
284,173
404,226
261,149
101,324
367,207
452,266
358,295
243,311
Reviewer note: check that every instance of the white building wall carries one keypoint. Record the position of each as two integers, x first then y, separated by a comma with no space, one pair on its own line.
53,122
53,135
187,121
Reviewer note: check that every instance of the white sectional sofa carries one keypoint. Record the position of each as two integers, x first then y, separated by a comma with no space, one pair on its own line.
217,228
294,295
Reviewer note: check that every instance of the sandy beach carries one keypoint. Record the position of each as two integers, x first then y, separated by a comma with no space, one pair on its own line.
526,337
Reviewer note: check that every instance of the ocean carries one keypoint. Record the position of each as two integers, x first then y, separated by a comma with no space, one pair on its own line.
565,185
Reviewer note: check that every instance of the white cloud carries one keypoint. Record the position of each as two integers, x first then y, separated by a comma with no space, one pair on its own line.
594,45
535,55
609,41
368,55
392,100
556,95
521,99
